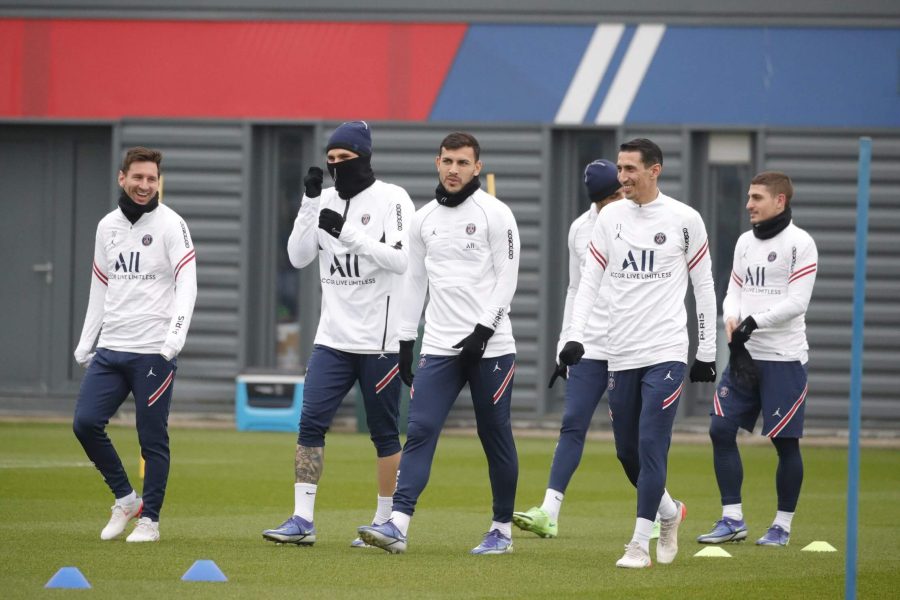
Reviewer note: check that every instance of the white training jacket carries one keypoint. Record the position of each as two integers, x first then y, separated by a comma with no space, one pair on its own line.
360,272
467,259
143,287
648,252
598,322
772,281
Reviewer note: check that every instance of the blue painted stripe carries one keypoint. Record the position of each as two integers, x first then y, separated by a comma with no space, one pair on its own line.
511,73
751,76
614,64
772,76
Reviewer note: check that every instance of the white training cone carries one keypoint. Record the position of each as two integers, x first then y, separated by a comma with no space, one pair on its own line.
713,551
819,547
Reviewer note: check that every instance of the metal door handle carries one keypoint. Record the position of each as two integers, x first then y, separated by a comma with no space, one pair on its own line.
46,268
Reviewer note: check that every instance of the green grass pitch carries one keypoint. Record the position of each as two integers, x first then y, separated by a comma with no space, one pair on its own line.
225,487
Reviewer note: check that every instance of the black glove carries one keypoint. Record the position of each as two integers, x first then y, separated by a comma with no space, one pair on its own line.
571,354
331,222
743,331
703,371
743,369
405,361
313,182
473,345
560,371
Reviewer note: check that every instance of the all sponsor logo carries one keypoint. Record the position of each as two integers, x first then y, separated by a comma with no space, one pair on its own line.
350,268
646,260
129,264
756,278
147,240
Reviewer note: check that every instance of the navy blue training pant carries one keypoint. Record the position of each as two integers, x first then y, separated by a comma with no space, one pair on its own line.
642,405
330,375
584,388
780,398
438,381
107,383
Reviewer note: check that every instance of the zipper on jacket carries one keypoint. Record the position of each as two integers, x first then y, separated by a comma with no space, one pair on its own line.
387,310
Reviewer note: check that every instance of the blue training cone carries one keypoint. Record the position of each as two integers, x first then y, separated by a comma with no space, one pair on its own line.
204,570
68,577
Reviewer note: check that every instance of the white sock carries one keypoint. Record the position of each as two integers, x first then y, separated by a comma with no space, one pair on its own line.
305,500
552,503
642,529
383,513
504,528
733,511
401,520
783,520
129,499
667,507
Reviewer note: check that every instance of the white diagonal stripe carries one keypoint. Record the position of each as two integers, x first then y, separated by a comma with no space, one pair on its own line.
630,75
589,73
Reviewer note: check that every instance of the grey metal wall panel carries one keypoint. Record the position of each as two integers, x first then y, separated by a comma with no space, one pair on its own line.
204,181
823,166
869,12
404,154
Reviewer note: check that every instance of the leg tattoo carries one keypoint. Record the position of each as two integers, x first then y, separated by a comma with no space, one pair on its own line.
308,464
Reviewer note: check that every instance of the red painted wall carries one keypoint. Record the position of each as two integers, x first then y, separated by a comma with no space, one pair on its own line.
114,69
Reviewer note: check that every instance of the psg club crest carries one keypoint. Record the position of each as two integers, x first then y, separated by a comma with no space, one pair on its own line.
772,256
611,384
470,228
421,362
660,238
723,392
147,240
365,219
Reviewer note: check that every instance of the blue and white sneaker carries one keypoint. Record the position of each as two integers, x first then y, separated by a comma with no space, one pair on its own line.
385,536
494,542
725,530
358,543
775,536
295,530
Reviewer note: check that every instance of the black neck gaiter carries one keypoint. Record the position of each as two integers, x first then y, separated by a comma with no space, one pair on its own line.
767,229
352,176
132,210
445,198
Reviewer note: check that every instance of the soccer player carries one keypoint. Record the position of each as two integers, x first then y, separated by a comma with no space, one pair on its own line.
359,230
586,380
648,246
772,279
143,289
464,252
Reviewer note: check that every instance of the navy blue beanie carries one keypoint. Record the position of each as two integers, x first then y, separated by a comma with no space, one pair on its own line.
602,179
352,135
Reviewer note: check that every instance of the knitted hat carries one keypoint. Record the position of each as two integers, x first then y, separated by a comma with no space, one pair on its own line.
602,179
352,135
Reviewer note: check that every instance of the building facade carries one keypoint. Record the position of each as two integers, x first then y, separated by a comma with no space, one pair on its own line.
241,101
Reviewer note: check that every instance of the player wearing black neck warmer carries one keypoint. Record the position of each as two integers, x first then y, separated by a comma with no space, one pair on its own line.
352,176
134,211
358,232
772,278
